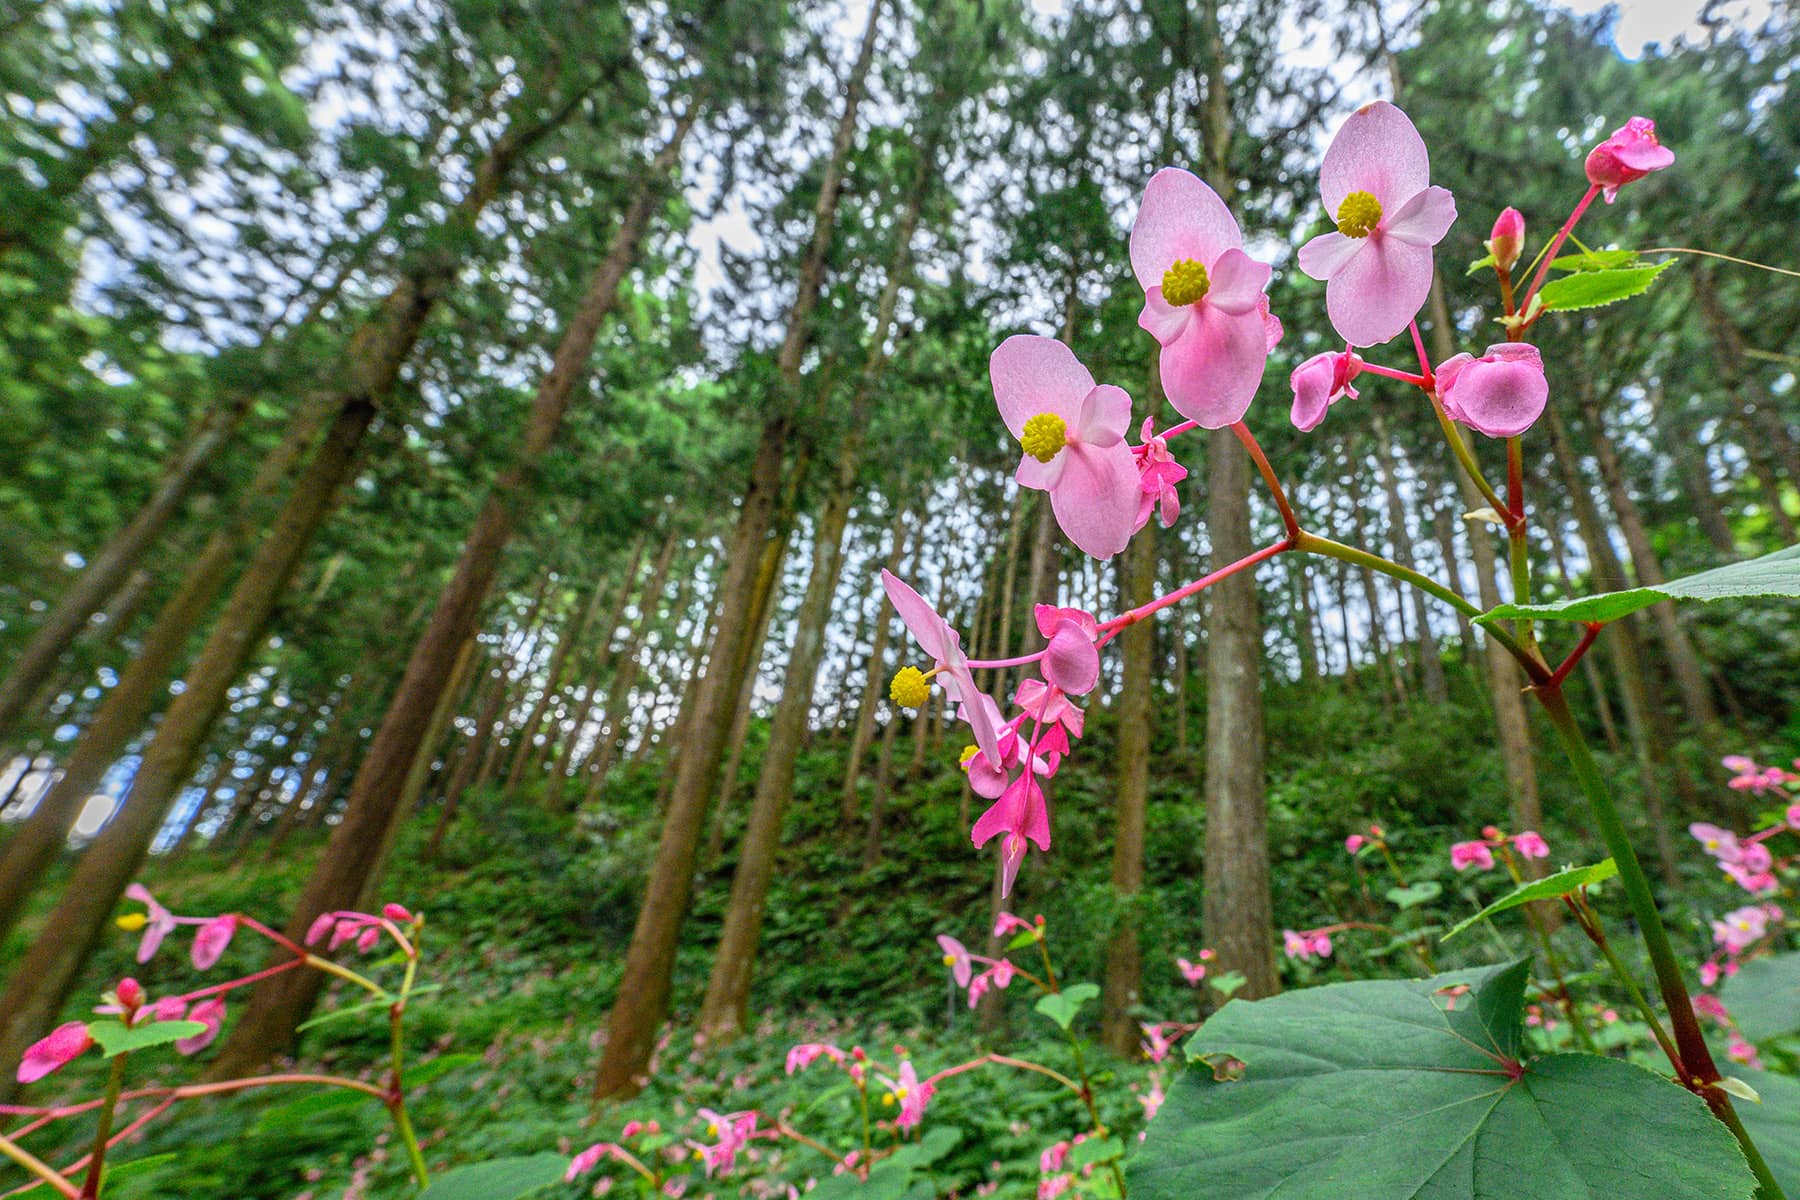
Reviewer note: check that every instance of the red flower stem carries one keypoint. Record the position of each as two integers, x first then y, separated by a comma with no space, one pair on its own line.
1370,368
1590,631
1177,430
187,1092
1288,521
280,939
985,664
227,986
1549,256
1418,340
1003,1061
1110,629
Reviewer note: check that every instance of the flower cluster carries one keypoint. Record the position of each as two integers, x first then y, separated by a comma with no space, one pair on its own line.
1480,853
1306,944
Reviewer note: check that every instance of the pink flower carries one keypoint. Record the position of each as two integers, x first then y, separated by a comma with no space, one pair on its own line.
159,922
1501,394
1375,182
1709,974
1054,1158
1793,817
322,925
1071,663
1072,433
1203,299
1464,855
1507,241
1530,845
956,957
1153,1099
1019,816
1738,1050
1708,1005
1355,842
944,646
1191,971
1048,705
64,1044
1156,1044
1742,927
733,1133
1722,844
211,940
590,1158
210,1013
1306,944
1007,923
1158,473
1631,153
1320,382
397,913
799,1058
913,1095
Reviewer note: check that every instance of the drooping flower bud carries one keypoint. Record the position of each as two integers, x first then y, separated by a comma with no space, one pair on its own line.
1507,241
1501,394
1631,153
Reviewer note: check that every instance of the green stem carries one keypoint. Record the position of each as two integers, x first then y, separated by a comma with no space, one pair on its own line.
1533,919
1515,535
1700,1073
397,1095
115,1083
1590,925
1464,456
38,1167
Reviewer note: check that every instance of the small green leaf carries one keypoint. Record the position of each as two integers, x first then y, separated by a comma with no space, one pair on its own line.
1096,1150
1062,1006
1548,888
114,1038
1776,574
1228,983
1596,260
1593,289
1480,264
1022,939
1423,892
500,1179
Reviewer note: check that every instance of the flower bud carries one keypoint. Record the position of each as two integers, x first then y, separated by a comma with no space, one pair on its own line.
130,993
1631,153
1507,241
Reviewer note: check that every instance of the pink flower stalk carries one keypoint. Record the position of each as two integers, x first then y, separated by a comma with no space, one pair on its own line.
63,1045
1530,845
733,1132
1203,299
1019,816
1072,432
210,1013
1376,183
913,1094
1507,242
1464,855
159,922
590,1158
1631,153
212,939
1501,394
944,646
801,1057
1072,662
1320,382
1158,473
956,957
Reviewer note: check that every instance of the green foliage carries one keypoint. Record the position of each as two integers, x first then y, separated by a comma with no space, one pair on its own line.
1064,1006
1303,1094
1559,883
1772,575
1597,287
501,1179
114,1038
1764,996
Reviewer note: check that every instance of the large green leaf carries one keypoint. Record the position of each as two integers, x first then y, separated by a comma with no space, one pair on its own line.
1776,574
114,1037
1381,1091
1764,996
500,1179
1592,289
1774,1124
1548,888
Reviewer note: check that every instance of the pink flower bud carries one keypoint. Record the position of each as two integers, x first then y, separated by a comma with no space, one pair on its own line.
64,1044
1507,241
212,939
320,928
396,912
131,995
1631,153
1501,394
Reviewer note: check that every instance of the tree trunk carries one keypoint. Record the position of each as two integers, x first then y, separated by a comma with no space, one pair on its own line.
573,634
353,857
608,739
626,664
1137,646
1689,455
874,687
605,657
43,979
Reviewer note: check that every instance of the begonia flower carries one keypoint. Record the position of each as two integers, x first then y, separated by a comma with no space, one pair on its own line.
1501,394
913,1094
943,645
1531,845
212,939
1507,242
1204,299
1071,662
1072,433
801,1057
1019,816
1464,855
210,1013
590,1158
1631,153
63,1045
156,921
1158,474
1376,183
956,957
1320,382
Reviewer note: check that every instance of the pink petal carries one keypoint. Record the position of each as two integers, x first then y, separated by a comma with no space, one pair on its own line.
1373,298
1311,381
1096,501
1105,416
63,1044
210,1013
1072,663
1162,320
1237,283
1212,373
922,621
211,940
1378,151
1040,476
1329,253
1423,220
1501,396
1181,217
1033,375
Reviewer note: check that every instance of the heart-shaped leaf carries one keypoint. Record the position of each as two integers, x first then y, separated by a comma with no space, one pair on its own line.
1423,892
115,1038
1062,1006
1764,996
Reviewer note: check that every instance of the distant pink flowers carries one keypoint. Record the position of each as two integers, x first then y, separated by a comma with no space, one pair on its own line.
1203,299
1194,972
1480,854
1376,184
1306,944
1072,434
1631,153
1501,394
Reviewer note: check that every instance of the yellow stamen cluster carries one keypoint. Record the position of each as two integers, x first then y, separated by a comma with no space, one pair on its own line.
968,752
909,689
1358,215
887,1101
949,960
1044,436
1185,282
132,922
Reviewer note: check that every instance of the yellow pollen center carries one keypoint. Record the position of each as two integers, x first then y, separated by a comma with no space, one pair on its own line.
1044,436
968,752
1358,215
909,689
132,922
949,960
1185,282
888,1099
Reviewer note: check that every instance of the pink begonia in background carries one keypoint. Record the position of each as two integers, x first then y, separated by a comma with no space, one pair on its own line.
1376,184
1158,475
1501,394
1530,845
1464,855
159,922
1631,153
1203,299
1072,433
1305,944
956,957
1194,972
944,646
